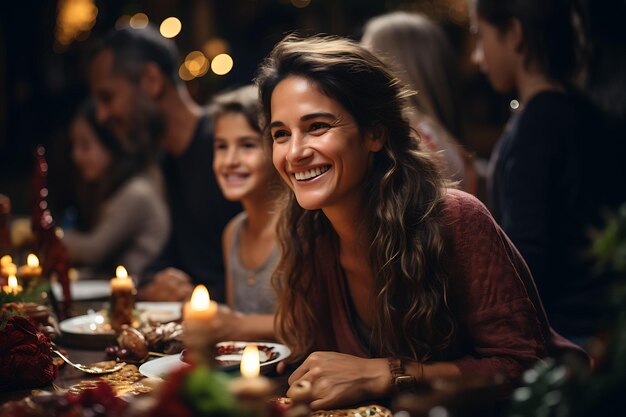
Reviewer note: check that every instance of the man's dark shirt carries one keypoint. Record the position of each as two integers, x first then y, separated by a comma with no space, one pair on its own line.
198,211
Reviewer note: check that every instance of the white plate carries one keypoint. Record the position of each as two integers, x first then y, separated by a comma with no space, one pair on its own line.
84,290
160,311
94,324
89,324
161,367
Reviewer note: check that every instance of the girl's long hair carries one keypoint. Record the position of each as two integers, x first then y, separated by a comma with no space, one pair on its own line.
402,212
137,157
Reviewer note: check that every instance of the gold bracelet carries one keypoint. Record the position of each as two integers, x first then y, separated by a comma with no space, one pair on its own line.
400,380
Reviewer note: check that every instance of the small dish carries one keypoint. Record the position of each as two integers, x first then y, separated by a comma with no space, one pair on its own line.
92,331
84,290
230,357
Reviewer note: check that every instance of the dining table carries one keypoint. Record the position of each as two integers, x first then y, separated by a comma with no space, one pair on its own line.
69,376
477,399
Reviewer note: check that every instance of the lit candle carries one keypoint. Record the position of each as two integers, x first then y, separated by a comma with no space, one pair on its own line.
122,299
31,269
252,390
7,267
198,314
13,287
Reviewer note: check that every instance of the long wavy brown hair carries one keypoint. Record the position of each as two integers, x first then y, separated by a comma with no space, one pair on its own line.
403,223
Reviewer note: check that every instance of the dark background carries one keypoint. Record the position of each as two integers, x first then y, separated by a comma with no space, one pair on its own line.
42,81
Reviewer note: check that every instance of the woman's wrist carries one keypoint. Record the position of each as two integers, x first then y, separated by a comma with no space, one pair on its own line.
379,378
405,376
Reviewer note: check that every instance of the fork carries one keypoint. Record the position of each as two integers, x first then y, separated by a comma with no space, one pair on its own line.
94,370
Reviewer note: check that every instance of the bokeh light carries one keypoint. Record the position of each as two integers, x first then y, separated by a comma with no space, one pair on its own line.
196,63
122,22
170,27
184,73
300,4
222,64
215,46
139,21
75,18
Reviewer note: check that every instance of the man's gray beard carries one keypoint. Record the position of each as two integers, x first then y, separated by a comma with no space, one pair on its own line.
147,126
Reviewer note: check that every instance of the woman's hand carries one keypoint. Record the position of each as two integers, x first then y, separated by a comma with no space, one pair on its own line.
339,380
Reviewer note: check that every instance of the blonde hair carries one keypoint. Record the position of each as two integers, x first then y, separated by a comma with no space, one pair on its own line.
419,53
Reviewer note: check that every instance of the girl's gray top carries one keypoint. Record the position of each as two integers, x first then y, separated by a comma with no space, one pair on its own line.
252,287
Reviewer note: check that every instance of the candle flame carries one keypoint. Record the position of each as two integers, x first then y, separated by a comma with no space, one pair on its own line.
250,362
200,299
32,260
120,272
6,260
13,282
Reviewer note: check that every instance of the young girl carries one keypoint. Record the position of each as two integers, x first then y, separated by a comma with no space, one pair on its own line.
386,276
128,222
549,173
245,173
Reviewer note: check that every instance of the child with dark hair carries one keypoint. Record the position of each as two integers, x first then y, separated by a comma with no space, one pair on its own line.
129,222
546,178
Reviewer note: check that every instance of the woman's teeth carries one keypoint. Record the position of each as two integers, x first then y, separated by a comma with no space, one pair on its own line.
311,173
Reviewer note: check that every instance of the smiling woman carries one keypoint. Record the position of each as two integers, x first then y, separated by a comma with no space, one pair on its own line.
317,146
390,273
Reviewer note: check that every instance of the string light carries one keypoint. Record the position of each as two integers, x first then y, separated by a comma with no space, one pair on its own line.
75,19
222,64
196,63
139,21
170,27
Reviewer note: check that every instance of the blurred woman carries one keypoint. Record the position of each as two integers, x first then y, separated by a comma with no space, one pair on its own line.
386,275
129,222
420,55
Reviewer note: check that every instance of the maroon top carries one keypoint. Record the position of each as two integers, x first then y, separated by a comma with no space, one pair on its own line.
502,327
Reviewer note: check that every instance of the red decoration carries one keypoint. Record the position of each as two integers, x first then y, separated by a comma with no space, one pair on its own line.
25,360
170,402
48,245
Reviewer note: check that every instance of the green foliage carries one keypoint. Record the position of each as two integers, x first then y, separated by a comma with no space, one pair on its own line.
569,389
29,295
207,393
609,245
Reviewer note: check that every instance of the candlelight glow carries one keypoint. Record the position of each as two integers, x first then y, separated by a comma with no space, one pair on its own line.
6,260
13,283
250,362
32,260
120,272
13,287
200,299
